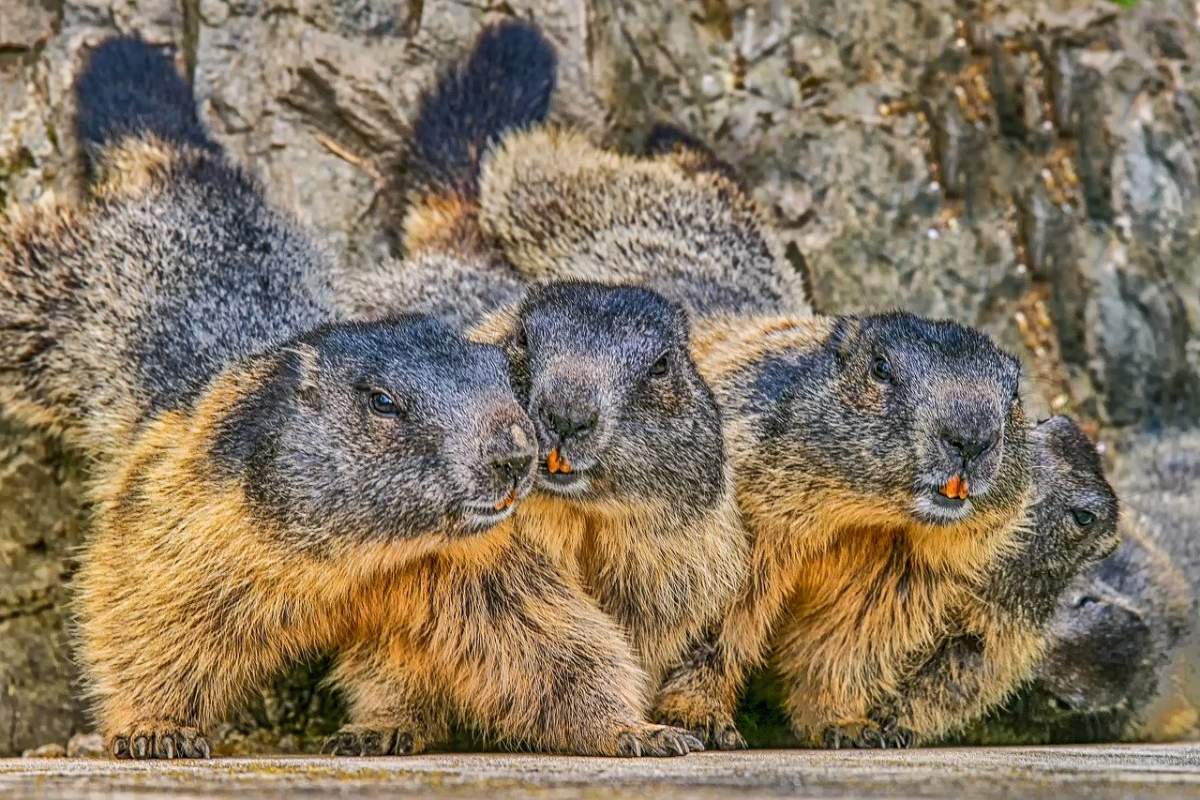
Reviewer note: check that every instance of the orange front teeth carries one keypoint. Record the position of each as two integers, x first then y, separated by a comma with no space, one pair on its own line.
506,502
556,463
956,488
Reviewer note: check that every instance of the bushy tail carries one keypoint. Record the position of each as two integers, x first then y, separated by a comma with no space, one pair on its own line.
129,88
504,85
64,265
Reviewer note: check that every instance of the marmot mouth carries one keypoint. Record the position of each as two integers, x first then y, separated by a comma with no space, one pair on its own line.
952,503
934,507
564,483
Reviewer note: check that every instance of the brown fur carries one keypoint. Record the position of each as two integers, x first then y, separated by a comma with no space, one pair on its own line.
662,580
1073,521
853,594
850,594
194,588
231,607
664,574
663,571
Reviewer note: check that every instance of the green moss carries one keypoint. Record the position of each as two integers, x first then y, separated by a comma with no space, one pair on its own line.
760,715
293,715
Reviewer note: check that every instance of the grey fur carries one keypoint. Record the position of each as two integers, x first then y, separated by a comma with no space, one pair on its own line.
132,315
1123,655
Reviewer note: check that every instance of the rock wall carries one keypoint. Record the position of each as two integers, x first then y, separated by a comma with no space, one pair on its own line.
1027,166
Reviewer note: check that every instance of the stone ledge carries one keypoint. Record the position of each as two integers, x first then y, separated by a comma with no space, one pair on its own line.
1094,772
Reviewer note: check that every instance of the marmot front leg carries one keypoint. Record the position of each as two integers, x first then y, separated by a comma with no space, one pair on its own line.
168,649
390,714
518,649
968,674
567,683
701,693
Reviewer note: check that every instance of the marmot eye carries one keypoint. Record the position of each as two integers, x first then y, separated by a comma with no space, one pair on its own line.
882,369
1083,518
662,366
384,405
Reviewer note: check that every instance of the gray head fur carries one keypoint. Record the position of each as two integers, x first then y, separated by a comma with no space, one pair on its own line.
605,373
898,405
381,431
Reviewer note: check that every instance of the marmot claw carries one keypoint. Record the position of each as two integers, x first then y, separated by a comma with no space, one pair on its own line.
363,740
657,741
160,741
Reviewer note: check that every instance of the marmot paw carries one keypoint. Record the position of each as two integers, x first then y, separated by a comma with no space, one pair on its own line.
884,738
159,740
365,740
702,714
714,730
656,740
868,736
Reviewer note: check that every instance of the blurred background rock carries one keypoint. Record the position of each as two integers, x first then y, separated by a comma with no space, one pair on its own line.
1028,166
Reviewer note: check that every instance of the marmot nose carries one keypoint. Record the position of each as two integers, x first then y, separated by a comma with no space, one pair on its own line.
571,421
970,445
511,468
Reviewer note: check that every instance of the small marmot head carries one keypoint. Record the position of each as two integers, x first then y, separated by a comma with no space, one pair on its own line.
383,431
620,410
1103,666
906,418
1075,510
1118,627
1101,655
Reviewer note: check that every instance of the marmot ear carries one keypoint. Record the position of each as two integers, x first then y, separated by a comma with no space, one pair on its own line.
683,320
303,363
841,339
498,327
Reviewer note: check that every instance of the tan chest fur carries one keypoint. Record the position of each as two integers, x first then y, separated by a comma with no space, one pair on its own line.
662,582
859,614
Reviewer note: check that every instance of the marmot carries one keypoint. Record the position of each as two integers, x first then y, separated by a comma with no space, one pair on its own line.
634,492
882,462
1121,660
269,481
677,223
1073,522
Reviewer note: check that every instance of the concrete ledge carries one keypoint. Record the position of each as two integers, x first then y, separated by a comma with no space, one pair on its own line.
1092,772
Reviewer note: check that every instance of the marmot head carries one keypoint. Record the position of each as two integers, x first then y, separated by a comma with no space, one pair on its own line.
620,410
383,431
1072,522
1115,637
1075,510
1101,657
1104,664
903,418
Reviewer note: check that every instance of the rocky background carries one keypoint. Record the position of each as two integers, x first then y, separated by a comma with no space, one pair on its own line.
1027,166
